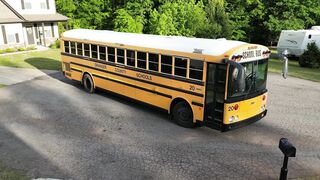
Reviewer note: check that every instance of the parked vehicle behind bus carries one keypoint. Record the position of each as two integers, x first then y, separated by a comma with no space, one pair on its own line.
216,83
296,41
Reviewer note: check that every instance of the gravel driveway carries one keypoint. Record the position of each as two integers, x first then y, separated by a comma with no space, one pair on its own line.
50,127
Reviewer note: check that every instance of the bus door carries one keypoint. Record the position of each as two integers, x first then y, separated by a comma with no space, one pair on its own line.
215,92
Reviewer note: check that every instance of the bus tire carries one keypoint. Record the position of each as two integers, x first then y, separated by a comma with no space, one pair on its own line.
88,84
182,115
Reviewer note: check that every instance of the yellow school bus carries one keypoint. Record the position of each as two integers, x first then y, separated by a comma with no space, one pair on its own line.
217,83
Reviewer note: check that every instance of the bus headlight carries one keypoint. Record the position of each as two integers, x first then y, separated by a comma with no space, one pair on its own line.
234,119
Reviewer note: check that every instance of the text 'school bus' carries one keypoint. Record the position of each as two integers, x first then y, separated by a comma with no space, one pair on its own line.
217,83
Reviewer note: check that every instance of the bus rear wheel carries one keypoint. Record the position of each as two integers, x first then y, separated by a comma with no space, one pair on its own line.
88,83
182,115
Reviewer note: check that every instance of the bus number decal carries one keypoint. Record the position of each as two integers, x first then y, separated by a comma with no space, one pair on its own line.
144,76
192,88
120,71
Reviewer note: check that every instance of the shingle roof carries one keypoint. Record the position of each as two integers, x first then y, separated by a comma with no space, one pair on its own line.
9,15
45,17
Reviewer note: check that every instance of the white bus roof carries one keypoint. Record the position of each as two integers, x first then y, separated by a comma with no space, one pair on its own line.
213,47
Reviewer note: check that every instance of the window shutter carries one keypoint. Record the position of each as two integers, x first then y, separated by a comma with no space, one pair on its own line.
52,29
4,34
48,7
22,4
17,38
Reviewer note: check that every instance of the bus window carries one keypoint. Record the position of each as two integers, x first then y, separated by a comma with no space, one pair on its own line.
196,69
180,66
153,62
94,51
79,49
111,54
73,47
166,64
120,56
142,60
86,48
66,46
102,53
131,58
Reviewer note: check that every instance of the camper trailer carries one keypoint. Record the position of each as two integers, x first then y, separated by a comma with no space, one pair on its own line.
296,41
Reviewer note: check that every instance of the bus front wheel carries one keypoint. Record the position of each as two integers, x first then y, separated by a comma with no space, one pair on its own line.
88,83
182,115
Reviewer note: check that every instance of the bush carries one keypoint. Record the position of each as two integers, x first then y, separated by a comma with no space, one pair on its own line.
10,50
22,49
55,45
31,48
311,57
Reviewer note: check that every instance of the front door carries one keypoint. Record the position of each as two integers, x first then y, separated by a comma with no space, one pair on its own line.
30,36
215,92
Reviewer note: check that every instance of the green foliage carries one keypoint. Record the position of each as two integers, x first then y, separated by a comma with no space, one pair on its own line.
178,18
10,50
22,49
256,21
55,45
311,57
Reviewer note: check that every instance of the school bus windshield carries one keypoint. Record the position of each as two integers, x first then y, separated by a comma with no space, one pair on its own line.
255,78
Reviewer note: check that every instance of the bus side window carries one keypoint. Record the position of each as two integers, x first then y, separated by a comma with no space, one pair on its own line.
120,56
66,46
102,53
73,47
111,54
142,60
166,64
131,58
180,66
94,51
196,69
86,48
153,62
79,49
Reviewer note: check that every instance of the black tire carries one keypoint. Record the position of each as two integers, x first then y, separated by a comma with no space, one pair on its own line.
88,84
182,115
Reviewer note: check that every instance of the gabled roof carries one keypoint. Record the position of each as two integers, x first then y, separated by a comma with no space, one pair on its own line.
10,15
213,47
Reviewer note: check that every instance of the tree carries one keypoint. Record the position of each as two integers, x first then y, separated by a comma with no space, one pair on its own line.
311,57
185,18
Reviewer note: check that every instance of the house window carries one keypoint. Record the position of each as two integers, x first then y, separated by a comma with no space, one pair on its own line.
11,38
27,5
43,5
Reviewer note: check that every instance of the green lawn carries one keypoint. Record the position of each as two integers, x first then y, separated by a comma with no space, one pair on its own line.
275,65
49,59
2,85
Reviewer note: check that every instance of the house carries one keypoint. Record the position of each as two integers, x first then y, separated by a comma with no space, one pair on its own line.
28,22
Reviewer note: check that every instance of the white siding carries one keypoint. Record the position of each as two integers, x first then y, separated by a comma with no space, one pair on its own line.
11,31
35,7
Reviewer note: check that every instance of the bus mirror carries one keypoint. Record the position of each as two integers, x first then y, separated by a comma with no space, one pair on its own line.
237,75
285,65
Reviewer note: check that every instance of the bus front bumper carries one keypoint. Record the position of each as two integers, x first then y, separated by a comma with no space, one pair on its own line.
228,127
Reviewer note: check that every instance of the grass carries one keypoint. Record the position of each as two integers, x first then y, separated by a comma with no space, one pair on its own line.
275,65
49,59
9,174
2,85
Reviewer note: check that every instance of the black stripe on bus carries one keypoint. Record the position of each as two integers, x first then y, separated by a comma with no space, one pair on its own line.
197,104
141,80
73,69
200,83
131,85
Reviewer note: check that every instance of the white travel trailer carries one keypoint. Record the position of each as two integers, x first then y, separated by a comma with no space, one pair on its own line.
296,41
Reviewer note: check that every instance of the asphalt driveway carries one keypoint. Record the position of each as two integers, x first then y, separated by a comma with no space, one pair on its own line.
49,127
